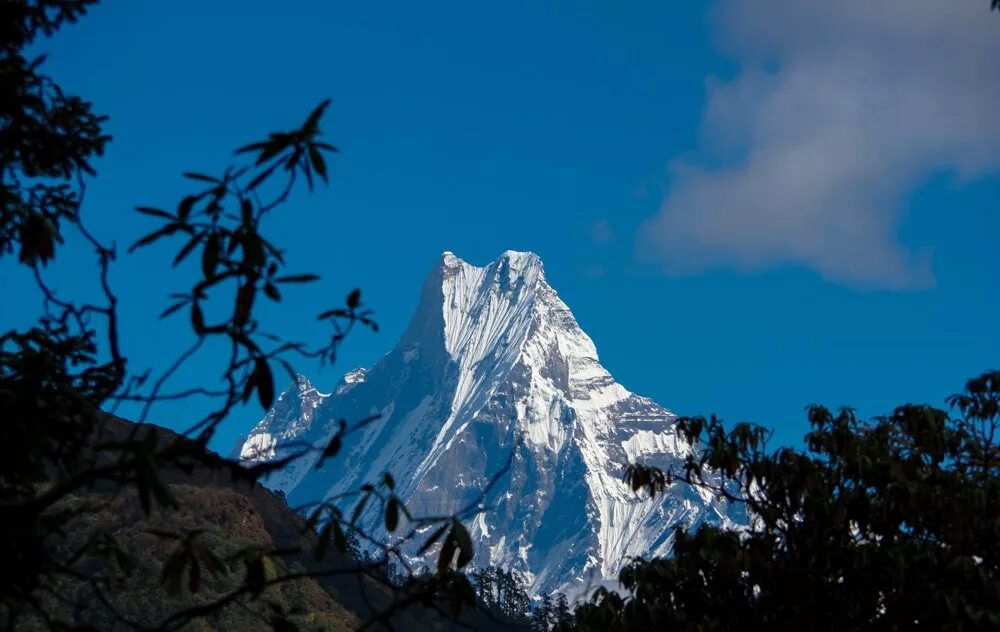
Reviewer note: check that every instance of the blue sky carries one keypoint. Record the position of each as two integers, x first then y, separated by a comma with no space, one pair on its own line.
747,211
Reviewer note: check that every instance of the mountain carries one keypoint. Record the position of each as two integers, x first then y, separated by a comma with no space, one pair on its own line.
492,369
231,514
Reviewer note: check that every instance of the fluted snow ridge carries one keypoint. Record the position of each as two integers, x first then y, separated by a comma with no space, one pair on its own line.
494,362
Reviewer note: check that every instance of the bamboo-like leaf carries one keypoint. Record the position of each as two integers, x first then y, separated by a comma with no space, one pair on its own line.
297,278
200,176
354,299
392,514
339,539
186,250
169,229
318,163
463,542
311,125
184,208
446,555
272,292
154,212
173,308
265,383
210,256
358,509
197,319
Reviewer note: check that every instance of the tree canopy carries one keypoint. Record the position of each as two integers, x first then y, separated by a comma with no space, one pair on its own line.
62,378
881,525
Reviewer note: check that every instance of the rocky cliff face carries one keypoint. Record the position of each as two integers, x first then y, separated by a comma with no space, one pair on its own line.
494,368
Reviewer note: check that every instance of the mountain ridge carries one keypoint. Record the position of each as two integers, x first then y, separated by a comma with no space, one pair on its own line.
492,368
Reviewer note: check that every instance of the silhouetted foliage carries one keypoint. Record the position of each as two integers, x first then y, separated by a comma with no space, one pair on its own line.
888,524
61,379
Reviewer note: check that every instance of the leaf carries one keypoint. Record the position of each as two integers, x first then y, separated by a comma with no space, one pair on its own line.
305,169
184,208
311,123
272,292
297,278
210,256
249,387
464,543
169,229
354,299
200,176
318,163
277,144
272,250
155,212
388,481
186,250
288,368
334,445
339,539
197,319
265,383
264,175
359,508
392,514
251,147
330,313
446,555
173,308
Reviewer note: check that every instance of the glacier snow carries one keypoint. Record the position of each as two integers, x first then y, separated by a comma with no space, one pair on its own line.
492,369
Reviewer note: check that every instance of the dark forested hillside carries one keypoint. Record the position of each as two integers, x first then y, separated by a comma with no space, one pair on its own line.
225,516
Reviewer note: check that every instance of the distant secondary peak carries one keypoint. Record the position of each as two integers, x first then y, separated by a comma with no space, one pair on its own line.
355,375
303,383
351,379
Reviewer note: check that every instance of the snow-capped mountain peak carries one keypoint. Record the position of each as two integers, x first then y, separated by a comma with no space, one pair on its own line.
494,365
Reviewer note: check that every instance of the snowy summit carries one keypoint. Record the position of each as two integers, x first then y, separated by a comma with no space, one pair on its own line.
494,362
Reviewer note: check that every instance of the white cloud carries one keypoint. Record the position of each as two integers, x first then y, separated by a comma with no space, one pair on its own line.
601,233
838,110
